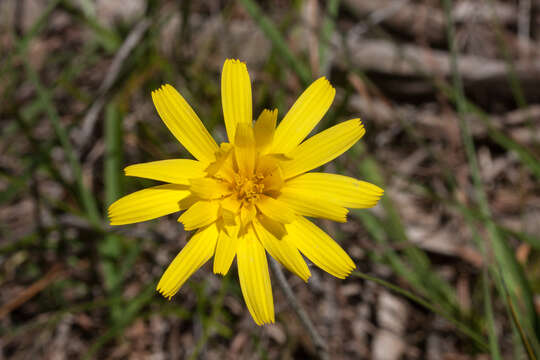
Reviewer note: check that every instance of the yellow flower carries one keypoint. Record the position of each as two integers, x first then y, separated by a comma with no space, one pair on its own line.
252,194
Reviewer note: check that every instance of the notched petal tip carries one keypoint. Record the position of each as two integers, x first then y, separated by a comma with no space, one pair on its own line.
162,292
345,216
234,61
326,83
378,191
160,89
266,322
358,122
347,273
324,80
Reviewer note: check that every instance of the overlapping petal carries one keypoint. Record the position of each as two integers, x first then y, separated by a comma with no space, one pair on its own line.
341,190
276,210
264,129
199,214
244,146
303,116
184,123
175,171
235,96
255,278
209,188
195,254
307,204
283,251
225,252
323,147
320,248
147,204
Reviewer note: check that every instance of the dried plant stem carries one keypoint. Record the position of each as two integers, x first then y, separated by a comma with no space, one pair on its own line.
320,345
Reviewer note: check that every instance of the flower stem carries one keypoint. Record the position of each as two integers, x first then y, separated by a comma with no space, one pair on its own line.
320,345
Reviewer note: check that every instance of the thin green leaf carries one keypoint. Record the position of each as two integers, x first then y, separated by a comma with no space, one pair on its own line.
44,96
513,275
270,30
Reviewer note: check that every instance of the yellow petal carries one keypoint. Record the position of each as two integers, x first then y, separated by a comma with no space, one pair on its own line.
275,209
199,214
147,204
323,147
266,164
320,248
208,188
223,167
188,202
342,190
176,171
197,251
225,253
264,129
233,228
303,116
277,229
268,168
235,95
247,213
306,203
184,123
254,278
230,206
282,251
244,146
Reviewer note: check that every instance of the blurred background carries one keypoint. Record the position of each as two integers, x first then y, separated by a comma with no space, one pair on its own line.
448,262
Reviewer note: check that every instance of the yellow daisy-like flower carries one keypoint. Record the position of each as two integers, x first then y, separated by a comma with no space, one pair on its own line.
251,195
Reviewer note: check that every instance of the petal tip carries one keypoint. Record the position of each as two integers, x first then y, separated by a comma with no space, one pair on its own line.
160,89
234,61
358,122
324,82
263,322
344,217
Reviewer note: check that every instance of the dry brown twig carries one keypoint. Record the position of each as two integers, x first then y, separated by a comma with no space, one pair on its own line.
423,21
31,291
411,60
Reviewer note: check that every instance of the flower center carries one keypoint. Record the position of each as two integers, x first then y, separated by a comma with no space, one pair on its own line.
248,189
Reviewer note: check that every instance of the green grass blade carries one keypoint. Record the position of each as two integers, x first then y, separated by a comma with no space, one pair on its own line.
512,275
488,308
110,248
426,280
113,153
270,30
87,199
516,321
106,37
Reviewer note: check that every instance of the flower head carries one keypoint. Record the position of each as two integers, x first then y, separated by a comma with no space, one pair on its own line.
251,195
